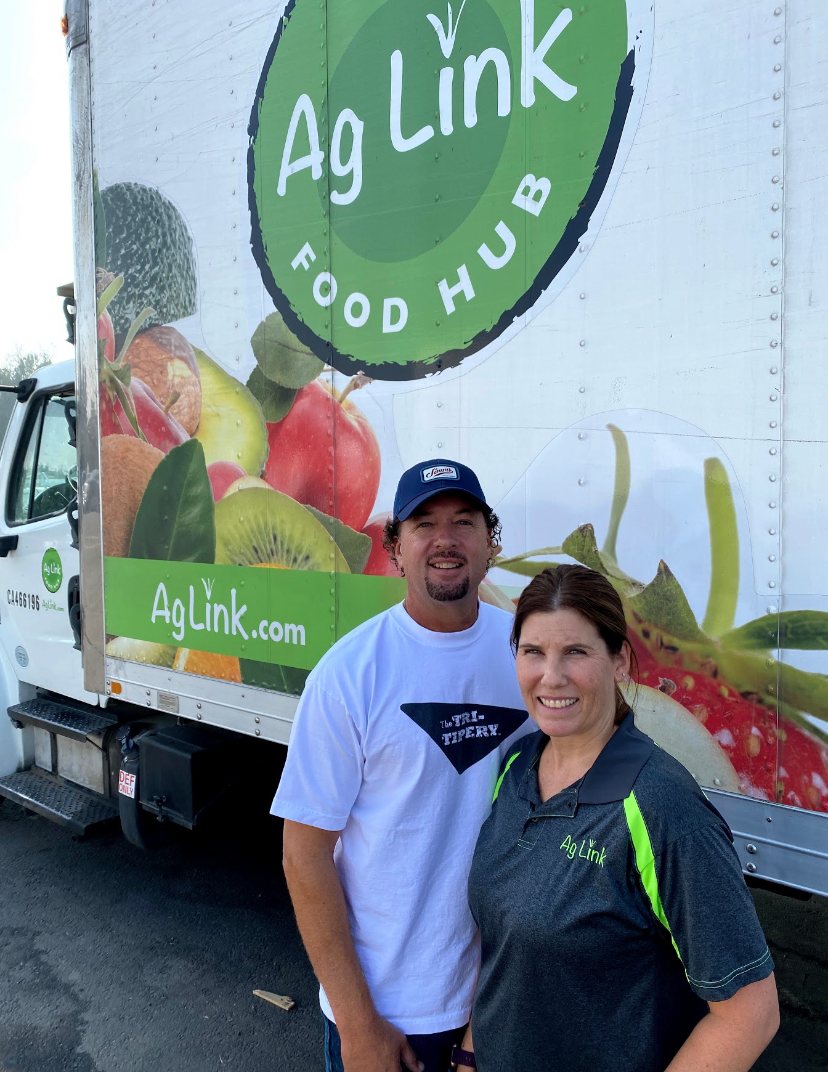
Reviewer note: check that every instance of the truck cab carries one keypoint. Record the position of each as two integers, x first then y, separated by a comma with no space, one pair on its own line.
67,753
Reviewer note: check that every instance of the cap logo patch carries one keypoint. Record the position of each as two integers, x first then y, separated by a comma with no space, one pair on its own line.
439,472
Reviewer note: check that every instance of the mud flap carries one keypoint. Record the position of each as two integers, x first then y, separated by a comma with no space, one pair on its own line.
139,828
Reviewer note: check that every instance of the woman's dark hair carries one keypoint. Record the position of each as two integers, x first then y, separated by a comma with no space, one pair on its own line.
391,533
578,588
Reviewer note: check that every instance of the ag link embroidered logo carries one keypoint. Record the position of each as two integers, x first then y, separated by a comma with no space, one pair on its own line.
586,850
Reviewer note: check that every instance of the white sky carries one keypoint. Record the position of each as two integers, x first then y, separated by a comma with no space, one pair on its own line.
35,178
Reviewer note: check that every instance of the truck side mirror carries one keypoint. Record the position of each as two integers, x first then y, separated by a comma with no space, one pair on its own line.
25,389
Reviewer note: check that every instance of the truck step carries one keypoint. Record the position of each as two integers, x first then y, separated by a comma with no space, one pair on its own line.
78,722
54,799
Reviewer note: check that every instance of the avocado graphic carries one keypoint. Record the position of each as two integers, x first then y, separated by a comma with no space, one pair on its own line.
149,243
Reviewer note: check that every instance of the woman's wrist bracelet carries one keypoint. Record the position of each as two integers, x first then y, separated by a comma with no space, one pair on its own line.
463,1058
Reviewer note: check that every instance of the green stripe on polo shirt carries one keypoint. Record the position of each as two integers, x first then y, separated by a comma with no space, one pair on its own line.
499,782
645,862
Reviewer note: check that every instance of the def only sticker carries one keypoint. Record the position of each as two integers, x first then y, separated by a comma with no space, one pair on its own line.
126,784
422,183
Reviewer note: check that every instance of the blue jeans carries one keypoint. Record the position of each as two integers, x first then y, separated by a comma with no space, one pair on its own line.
433,1050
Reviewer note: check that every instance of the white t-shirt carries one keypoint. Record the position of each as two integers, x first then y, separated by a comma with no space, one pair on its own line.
397,743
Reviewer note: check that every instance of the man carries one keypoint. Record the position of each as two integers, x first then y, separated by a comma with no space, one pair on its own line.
393,757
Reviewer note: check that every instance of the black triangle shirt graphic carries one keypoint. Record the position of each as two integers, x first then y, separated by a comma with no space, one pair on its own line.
465,733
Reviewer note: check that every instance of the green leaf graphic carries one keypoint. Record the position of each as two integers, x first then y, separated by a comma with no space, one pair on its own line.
521,563
803,690
109,292
524,568
355,546
176,518
664,605
287,679
99,214
581,546
797,630
724,550
281,356
274,399
621,490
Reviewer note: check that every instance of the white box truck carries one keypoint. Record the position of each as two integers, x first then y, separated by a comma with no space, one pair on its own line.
581,247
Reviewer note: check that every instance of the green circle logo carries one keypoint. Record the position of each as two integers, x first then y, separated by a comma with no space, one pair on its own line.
419,174
52,570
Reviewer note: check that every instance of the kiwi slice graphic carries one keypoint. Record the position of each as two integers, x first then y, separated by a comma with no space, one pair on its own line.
263,527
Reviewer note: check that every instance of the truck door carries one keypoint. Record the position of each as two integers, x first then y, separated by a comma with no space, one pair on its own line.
37,559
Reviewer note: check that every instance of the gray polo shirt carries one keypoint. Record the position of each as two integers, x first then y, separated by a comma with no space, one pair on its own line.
609,914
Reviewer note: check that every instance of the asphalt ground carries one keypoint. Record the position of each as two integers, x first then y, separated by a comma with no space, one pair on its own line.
116,960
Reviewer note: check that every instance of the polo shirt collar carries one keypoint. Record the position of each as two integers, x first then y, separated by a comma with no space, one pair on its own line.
613,774
609,779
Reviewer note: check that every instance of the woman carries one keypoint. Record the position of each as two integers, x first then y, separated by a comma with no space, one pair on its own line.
617,931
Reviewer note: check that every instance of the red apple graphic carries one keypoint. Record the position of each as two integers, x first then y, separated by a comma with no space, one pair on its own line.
379,562
222,475
106,336
158,427
127,405
165,362
322,425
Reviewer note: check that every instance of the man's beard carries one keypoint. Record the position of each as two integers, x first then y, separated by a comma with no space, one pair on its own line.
448,591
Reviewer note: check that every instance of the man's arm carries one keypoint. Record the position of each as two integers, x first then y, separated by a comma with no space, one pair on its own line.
369,1043
734,1032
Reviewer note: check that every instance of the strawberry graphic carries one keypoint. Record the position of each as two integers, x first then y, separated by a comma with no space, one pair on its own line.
754,706
775,760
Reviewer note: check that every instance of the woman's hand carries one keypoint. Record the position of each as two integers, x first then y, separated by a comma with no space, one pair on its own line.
734,1032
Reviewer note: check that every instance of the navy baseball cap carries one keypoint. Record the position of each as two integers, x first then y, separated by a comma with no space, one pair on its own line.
421,481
